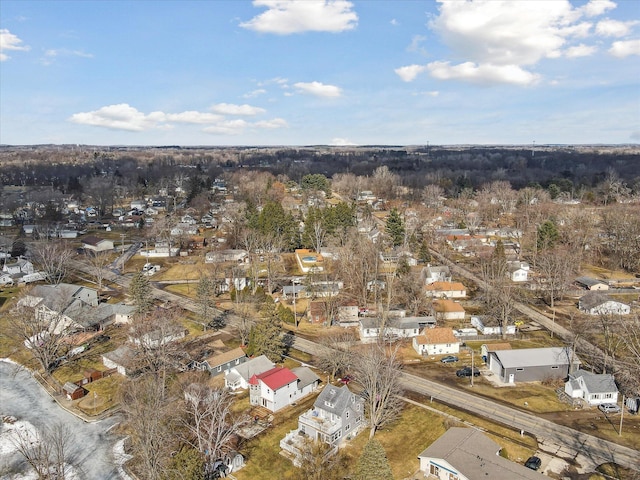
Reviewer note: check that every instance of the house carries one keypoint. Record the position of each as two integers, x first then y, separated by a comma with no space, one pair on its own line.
229,255
5,279
18,266
436,273
73,391
279,387
532,364
479,322
446,290
485,348
436,341
593,388
105,314
222,362
337,414
448,309
65,305
121,359
468,454
96,244
157,338
347,314
395,328
138,205
317,313
589,283
238,376
518,271
596,303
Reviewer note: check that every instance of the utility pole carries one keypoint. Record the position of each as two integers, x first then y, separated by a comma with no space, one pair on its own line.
295,316
621,415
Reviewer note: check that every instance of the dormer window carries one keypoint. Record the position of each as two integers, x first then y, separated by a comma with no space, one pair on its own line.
328,404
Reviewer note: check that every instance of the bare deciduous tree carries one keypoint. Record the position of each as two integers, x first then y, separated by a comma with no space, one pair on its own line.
46,451
336,355
378,369
556,266
318,462
211,422
98,262
54,259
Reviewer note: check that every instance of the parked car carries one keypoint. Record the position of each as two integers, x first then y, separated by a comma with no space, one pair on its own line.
449,359
466,372
609,408
533,463
346,379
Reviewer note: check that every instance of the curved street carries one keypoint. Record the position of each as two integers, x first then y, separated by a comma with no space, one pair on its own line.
91,446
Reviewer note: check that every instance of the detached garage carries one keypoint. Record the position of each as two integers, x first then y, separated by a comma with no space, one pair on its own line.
532,364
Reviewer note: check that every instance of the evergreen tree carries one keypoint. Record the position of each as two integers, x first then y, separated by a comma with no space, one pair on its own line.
140,293
395,227
373,463
265,337
548,235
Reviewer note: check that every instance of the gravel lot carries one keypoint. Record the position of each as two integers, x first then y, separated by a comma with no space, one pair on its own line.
91,447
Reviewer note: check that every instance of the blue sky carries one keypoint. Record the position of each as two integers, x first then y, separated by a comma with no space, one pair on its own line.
308,72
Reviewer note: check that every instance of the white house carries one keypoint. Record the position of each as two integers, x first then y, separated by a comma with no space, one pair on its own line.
436,341
239,375
436,273
229,255
593,388
448,309
20,265
96,244
468,454
596,303
337,415
121,359
518,271
396,327
479,323
280,387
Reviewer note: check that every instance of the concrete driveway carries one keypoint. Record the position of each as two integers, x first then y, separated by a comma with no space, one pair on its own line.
91,447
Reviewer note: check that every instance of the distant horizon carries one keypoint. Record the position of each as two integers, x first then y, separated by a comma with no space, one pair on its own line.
319,72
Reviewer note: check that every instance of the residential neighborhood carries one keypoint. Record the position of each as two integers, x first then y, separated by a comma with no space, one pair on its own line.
310,321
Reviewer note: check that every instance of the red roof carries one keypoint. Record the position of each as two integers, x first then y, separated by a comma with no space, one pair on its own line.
275,378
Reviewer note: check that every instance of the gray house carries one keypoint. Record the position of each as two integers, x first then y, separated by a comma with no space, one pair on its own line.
222,362
468,454
593,388
532,364
336,416
238,376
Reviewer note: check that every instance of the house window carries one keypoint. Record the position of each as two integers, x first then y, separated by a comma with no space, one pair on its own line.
347,427
608,395
519,369
453,476
555,367
347,414
434,470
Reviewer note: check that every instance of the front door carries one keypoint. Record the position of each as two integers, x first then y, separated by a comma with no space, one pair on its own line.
512,377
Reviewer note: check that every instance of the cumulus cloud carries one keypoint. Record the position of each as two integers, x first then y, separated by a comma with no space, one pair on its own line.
581,50
500,41
10,42
318,89
410,72
484,74
624,48
614,28
284,17
125,117
341,142
416,44
231,109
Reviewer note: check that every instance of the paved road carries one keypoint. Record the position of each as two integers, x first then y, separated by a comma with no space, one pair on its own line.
601,451
91,447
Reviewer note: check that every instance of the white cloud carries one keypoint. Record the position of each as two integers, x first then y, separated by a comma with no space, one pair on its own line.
410,72
52,54
255,93
284,17
484,74
614,28
272,124
433,93
125,117
500,40
624,48
581,50
341,142
318,89
416,44
598,7
394,22
231,109
10,42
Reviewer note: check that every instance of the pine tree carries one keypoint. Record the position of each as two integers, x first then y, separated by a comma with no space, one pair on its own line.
140,293
265,337
373,463
395,227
